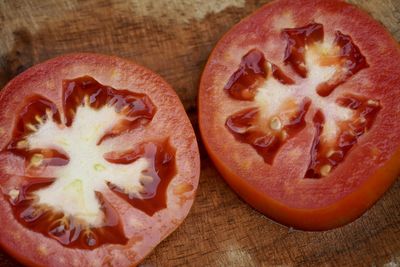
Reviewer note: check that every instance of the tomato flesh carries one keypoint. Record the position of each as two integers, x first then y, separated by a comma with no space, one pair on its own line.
297,39
324,156
243,126
66,230
153,196
253,70
93,170
352,60
69,231
300,138
137,108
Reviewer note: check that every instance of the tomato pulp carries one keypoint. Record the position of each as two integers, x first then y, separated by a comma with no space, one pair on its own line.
99,162
298,109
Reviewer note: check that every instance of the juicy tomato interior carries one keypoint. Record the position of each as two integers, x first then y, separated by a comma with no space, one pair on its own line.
98,162
268,134
39,117
295,93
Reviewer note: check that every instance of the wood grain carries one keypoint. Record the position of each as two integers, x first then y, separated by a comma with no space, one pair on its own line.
174,38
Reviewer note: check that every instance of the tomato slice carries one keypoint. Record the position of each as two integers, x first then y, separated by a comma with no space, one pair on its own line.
99,162
298,109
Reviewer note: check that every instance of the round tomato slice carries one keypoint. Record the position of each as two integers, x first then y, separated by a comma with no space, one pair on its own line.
298,109
99,162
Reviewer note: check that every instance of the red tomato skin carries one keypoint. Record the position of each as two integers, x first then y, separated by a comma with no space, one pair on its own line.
338,214
34,249
331,213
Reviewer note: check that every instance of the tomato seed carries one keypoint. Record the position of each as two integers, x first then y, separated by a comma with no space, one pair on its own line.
14,194
37,160
276,124
325,170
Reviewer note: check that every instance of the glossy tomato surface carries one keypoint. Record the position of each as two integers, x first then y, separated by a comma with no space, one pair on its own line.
299,110
99,162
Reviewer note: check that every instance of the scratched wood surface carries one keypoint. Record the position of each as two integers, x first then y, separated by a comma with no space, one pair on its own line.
174,38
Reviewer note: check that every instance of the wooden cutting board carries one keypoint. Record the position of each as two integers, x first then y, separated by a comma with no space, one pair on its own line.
174,38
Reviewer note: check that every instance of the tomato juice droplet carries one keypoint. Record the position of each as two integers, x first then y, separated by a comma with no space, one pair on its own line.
296,40
319,121
351,60
247,127
67,230
155,180
29,185
241,121
70,231
87,91
350,53
332,153
279,75
36,110
252,71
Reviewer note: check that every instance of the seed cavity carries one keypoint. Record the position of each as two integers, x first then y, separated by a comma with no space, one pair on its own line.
44,138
